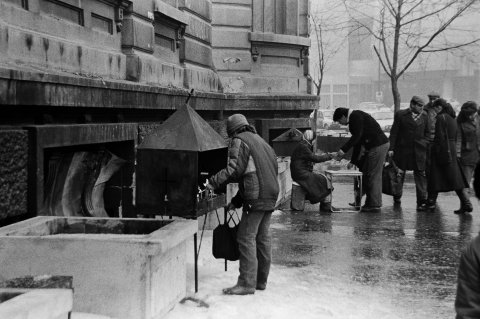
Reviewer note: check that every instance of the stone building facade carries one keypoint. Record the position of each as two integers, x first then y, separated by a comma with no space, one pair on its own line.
81,80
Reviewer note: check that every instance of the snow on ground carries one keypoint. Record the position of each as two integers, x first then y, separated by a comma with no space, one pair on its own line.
292,292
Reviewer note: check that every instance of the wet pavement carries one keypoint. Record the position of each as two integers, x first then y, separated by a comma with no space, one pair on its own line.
396,264
407,257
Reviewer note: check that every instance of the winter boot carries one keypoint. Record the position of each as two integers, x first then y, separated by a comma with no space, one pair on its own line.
239,290
325,207
465,203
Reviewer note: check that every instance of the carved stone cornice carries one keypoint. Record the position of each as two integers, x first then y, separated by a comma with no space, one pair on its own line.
123,4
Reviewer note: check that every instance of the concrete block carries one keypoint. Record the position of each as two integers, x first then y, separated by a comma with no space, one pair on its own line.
37,303
83,315
267,85
298,198
199,29
201,79
291,17
56,54
280,66
257,20
279,38
303,12
13,173
145,7
233,85
137,33
123,268
230,39
233,2
227,60
196,52
202,8
269,11
145,68
303,27
171,11
236,16
40,23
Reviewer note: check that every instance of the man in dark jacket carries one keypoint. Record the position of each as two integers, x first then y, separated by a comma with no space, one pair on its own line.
431,114
316,186
252,164
370,146
408,146
445,173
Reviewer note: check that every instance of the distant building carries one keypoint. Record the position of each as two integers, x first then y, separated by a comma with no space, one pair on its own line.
355,75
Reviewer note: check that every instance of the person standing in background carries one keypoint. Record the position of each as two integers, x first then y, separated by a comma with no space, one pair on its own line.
445,172
431,118
408,146
468,138
370,147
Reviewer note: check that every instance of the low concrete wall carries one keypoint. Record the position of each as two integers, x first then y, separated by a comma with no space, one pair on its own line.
36,303
122,275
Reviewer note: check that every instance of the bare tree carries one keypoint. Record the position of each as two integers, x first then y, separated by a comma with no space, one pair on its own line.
405,29
326,25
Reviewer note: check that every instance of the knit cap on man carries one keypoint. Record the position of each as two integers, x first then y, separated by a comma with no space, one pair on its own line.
469,107
417,100
234,122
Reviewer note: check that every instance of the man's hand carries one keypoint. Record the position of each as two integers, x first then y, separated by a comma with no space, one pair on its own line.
209,186
230,206
390,153
339,155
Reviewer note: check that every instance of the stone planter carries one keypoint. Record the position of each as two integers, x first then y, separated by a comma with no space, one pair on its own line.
18,303
123,268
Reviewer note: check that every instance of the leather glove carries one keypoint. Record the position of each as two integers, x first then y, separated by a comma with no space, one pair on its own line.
209,186
230,206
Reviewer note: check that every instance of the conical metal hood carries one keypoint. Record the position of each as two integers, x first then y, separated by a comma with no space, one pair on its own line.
184,130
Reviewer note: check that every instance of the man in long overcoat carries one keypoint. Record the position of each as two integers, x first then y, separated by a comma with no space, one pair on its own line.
408,146
445,172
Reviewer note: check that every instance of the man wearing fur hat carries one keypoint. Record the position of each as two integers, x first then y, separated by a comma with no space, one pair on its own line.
252,164
408,146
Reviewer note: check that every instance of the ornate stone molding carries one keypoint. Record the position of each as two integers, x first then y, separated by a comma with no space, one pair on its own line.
304,52
180,34
255,53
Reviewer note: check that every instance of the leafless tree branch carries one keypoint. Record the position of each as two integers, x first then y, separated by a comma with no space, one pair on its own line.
453,47
425,16
387,71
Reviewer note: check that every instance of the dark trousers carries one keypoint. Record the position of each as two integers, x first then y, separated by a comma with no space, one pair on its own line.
255,247
468,172
372,174
420,178
461,193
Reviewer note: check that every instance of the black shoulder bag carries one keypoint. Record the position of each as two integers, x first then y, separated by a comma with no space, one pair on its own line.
224,243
